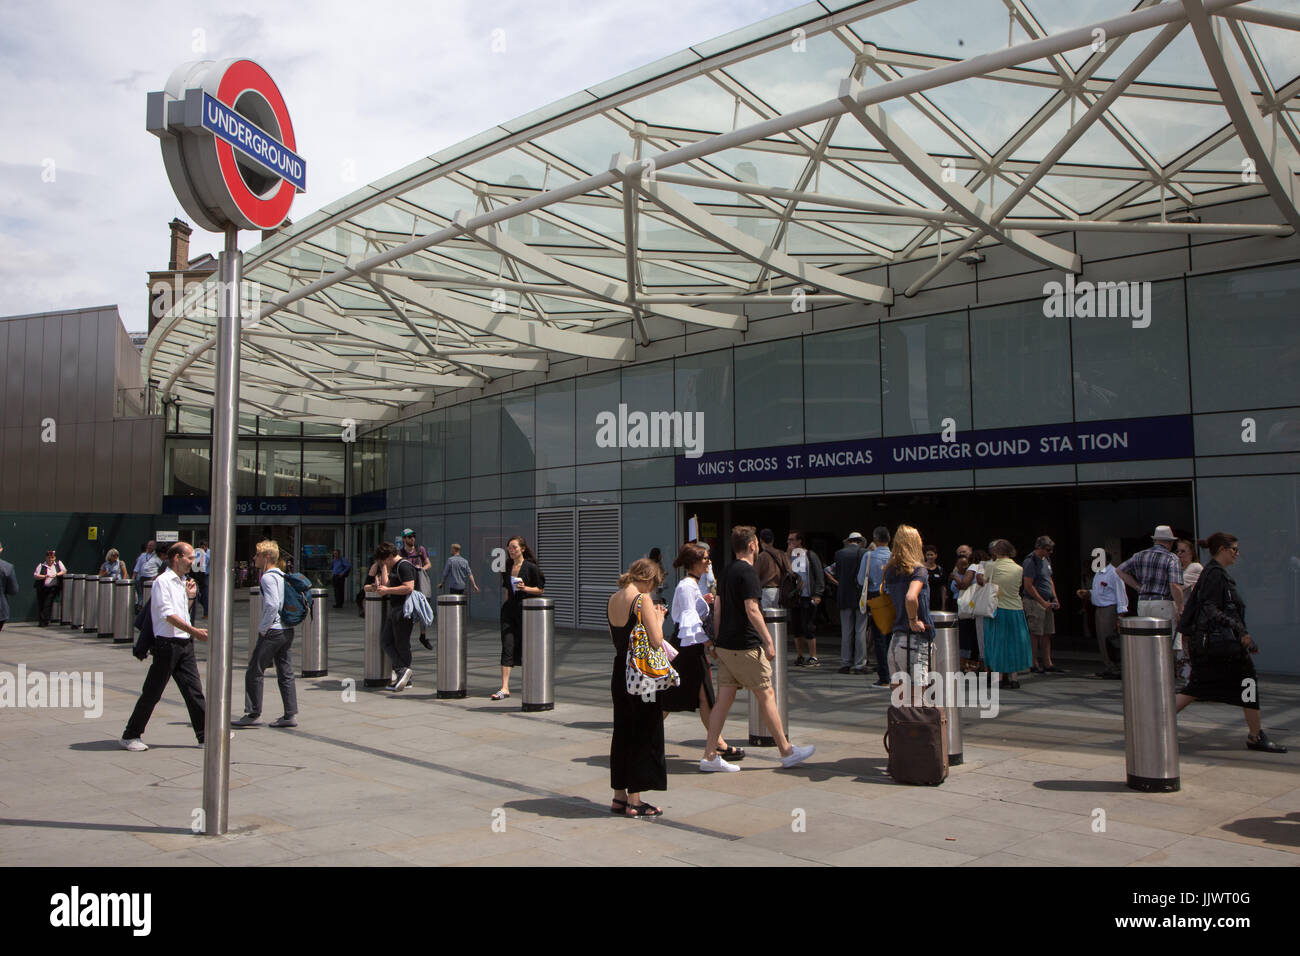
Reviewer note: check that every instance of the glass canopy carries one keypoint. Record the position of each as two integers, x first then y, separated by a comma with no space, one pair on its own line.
796,153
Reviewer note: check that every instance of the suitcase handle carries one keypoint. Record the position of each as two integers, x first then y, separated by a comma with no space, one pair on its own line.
886,740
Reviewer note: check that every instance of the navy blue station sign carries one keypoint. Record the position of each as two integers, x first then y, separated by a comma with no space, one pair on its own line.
1131,439
258,145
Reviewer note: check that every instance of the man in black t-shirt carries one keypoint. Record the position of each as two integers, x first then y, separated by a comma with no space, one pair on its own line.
744,649
396,581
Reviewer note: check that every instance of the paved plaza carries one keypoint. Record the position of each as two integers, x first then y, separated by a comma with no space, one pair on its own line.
398,779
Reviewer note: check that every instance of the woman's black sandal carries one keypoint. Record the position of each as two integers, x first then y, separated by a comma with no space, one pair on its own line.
621,808
732,753
642,810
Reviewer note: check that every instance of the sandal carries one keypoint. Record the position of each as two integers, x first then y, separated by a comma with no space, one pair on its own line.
642,810
500,696
732,753
621,807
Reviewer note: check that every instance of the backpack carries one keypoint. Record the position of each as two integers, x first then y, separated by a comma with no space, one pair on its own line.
789,585
297,599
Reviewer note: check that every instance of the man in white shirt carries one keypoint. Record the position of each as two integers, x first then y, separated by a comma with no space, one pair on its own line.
1109,600
173,648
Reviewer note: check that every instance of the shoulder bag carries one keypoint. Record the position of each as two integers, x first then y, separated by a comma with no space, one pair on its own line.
648,668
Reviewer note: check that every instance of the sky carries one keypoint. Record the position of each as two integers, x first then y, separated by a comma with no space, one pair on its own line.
371,87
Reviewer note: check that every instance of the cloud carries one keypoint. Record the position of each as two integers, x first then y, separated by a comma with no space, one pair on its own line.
372,87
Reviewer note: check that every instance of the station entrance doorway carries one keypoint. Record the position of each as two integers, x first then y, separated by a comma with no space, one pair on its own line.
1118,518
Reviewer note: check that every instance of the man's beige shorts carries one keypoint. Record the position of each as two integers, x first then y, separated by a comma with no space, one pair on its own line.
1040,619
749,669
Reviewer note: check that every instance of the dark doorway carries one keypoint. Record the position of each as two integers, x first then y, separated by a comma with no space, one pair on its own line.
1116,518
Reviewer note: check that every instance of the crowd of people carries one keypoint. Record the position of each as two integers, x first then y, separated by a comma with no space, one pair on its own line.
884,592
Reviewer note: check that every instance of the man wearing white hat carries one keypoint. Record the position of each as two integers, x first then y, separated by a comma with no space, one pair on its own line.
1157,576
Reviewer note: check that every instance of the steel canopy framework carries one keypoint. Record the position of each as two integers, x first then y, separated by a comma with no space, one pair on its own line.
792,156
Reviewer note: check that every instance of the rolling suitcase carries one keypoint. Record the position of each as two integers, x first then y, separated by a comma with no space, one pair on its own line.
914,740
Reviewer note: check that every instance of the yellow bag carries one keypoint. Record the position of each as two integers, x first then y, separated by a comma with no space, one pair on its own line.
883,612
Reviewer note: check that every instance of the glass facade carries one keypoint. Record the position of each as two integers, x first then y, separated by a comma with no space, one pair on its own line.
1212,355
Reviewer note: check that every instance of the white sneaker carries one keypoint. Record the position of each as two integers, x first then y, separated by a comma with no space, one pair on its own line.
717,765
798,755
135,745
403,679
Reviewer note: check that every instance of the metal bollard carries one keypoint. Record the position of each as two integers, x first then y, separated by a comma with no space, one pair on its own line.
90,605
760,735
254,617
316,639
57,609
1150,722
123,613
539,654
106,594
73,584
945,665
452,646
377,666
146,587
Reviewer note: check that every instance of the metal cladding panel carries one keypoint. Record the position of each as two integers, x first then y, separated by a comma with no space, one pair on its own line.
555,539
600,562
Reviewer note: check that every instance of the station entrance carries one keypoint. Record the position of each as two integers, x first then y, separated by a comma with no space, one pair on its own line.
1118,518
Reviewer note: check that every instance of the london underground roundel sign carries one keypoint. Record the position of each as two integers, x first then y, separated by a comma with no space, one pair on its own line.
227,144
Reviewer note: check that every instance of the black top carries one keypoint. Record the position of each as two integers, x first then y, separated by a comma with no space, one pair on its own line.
847,560
937,589
739,582
532,577
1215,603
401,572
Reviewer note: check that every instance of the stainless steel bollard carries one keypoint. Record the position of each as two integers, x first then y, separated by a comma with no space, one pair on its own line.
73,584
56,610
539,654
106,595
123,613
760,735
254,617
453,649
1150,722
377,667
146,587
316,639
945,666
90,605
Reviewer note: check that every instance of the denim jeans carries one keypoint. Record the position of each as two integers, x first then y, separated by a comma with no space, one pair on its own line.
272,647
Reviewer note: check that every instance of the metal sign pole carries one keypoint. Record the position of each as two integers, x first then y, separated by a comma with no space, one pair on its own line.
221,535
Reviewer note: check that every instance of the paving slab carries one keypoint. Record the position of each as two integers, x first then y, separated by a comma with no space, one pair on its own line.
373,778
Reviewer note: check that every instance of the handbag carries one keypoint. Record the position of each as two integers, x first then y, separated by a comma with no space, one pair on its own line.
882,611
986,598
648,668
966,602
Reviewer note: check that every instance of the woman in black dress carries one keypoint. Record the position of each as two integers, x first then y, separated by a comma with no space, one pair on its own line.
1214,632
636,751
522,578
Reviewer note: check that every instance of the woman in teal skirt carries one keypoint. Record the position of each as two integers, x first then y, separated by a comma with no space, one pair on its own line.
1006,635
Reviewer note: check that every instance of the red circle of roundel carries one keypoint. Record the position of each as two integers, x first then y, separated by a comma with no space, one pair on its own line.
268,213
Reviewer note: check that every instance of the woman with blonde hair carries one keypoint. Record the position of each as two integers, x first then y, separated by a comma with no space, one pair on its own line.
274,645
636,750
114,567
907,582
